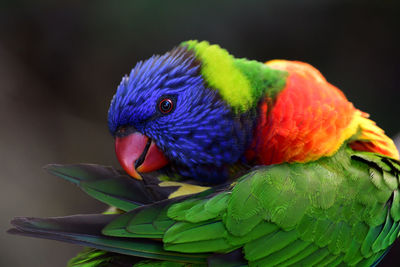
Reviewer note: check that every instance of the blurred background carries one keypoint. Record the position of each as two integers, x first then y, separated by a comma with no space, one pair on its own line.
60,64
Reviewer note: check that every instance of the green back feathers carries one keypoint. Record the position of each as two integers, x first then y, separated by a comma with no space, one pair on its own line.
340,209
240,82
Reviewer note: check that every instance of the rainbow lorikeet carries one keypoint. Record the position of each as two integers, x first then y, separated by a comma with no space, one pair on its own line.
237,163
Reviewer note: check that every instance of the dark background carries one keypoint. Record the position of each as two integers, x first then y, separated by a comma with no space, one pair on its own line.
60,65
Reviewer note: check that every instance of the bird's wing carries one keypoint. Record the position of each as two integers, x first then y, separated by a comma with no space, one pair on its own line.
119,190
341,209
344,208
116,189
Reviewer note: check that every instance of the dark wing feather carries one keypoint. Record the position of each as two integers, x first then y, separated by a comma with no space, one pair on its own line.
111,186
86,230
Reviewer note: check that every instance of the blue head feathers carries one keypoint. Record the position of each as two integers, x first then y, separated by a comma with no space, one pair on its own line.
200,135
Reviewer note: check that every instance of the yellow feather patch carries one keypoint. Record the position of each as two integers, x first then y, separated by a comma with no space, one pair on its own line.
221,74
374,138
184,189
365,130
349,131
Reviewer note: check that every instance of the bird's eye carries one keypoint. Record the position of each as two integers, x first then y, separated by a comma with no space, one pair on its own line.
165,105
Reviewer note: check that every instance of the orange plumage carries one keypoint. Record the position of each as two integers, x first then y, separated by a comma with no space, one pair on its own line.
310,119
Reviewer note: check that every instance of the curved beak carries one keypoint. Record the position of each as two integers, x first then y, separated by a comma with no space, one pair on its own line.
137,153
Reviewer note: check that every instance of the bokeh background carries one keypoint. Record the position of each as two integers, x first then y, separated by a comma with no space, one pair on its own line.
60,64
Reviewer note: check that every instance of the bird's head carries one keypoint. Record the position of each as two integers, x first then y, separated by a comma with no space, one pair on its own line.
166,112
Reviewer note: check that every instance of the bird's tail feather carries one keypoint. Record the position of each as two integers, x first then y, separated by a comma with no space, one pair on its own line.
86,230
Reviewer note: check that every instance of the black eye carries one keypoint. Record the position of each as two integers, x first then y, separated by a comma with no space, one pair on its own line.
166,105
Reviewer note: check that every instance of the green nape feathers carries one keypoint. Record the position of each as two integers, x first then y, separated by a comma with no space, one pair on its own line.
240,82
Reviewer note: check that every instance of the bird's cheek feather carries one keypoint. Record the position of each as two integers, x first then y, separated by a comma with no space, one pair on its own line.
137,153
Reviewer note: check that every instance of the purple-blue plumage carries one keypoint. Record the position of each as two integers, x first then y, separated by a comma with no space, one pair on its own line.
201,137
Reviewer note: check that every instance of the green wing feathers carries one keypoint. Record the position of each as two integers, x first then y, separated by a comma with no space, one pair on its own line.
116,188
343,209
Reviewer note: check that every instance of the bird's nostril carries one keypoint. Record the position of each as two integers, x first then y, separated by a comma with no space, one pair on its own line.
125,130
122,130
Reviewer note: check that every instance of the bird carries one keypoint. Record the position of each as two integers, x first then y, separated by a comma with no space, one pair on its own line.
233,162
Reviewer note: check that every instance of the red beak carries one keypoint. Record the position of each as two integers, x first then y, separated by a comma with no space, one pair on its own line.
137,153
